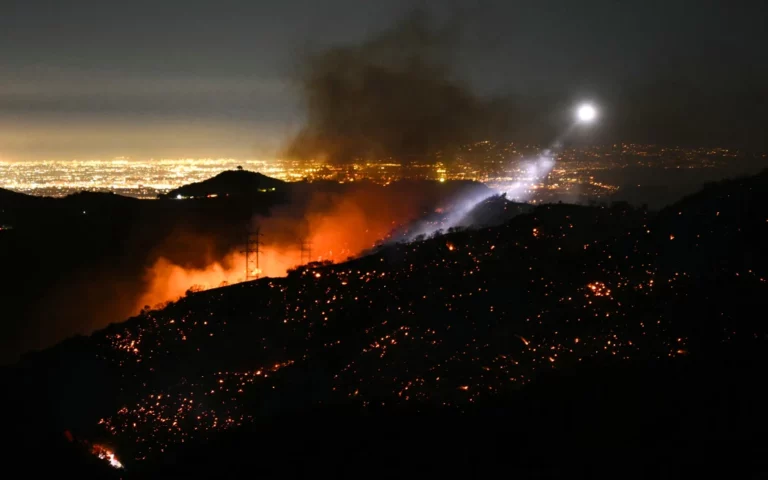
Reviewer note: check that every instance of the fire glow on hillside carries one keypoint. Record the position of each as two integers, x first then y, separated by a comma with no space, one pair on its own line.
105,453
345,226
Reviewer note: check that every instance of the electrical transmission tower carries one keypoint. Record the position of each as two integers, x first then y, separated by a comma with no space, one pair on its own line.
252,250
305,243
306,251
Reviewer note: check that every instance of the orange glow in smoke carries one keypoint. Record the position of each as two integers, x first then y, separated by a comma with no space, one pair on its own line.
353,223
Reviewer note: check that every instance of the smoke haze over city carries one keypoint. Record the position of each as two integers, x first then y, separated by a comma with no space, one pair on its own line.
140,92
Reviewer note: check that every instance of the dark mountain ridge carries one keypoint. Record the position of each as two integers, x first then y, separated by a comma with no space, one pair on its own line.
594,322
230,182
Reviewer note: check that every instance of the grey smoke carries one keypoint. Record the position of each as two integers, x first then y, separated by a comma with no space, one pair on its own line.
396,95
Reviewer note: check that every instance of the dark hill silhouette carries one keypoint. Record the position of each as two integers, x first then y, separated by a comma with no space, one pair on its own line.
9,198
231,182
10,203
493,211
105,243
95,198
4,194
566,330
726,218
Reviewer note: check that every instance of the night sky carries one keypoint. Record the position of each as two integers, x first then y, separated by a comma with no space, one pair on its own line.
99,79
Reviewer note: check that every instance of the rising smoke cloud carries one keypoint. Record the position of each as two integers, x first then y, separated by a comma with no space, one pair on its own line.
396,95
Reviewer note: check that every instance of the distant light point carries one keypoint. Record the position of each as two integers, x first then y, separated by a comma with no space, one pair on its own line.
586,113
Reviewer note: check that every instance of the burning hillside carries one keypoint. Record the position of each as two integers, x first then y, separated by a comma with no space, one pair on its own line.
480,320
321,222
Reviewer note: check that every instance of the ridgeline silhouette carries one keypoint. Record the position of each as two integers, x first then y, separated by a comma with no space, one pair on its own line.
526,346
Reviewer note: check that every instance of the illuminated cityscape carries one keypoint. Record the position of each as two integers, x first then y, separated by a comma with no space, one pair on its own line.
499,165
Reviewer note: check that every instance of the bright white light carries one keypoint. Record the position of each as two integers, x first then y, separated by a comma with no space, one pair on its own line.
108,455
586,113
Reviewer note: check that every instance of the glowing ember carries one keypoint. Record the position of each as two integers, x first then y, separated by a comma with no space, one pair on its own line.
108,455
599,289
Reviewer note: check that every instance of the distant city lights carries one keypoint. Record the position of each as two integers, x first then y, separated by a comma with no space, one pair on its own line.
523,171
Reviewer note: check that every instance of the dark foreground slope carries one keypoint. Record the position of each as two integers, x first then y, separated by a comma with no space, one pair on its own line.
56,252
571,341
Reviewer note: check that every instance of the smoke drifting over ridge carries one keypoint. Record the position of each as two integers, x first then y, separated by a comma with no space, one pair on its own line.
396,95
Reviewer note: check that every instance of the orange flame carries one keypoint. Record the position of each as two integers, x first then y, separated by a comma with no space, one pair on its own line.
347,225
105,453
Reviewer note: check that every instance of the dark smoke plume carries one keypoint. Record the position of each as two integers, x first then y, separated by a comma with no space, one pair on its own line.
394,96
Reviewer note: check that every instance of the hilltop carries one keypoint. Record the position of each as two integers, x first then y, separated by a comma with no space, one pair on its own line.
10,199
230,182
8,194
566,322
